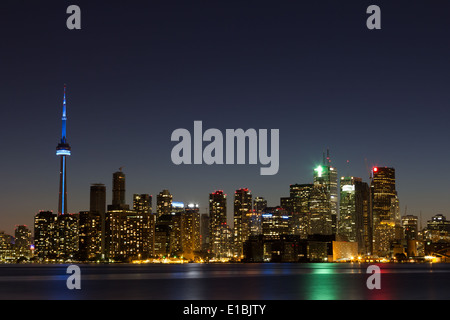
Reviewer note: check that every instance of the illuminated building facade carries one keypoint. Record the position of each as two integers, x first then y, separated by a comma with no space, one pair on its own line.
275,222
438,229
94,222
129,232
89,236
300,195
45,235
67,236
6,247
190,231
354,220
22,244
242,216
385,210
219,238
410,227
163,203
324,205
320,220
142,203
259,205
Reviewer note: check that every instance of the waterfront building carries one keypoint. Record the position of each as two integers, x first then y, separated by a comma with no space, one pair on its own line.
242,215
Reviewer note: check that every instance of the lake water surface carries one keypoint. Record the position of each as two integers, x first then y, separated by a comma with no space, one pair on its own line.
265,281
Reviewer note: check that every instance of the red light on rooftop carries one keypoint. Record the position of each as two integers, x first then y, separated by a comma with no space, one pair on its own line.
375,169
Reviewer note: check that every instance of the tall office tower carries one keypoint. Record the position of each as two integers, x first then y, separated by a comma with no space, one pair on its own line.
275,223
242,216
163,203
142,203
89,236
190,231
22,245
218,238
97,199
97,212
326,206
385,209
354,212
300,195
259,205
320,220
63,150
45,235
118,197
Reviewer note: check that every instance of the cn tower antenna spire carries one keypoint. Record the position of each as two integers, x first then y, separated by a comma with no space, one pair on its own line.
63,151
64,118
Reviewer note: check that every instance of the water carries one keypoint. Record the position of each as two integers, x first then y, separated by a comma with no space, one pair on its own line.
322,281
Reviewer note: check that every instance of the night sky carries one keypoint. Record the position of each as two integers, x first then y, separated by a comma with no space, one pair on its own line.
138,70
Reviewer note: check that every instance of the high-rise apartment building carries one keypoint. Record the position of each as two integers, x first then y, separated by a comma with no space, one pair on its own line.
94,223
22,244
163,203
242,216
129,232
190,231
219,230
142,203
44,235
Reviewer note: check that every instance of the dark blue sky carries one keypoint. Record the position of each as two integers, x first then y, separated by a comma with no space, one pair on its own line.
138,70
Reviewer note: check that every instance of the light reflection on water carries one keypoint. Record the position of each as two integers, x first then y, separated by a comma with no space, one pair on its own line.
322,281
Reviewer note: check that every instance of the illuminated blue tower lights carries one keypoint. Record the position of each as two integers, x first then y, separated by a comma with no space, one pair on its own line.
63,150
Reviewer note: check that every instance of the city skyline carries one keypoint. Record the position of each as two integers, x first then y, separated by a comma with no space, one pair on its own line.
363,95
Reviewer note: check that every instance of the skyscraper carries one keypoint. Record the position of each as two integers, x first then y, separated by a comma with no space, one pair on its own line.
97,212
242,215
300,195
118,198
218,239
324,203
63,150
190,231
385,209
259,205
354,208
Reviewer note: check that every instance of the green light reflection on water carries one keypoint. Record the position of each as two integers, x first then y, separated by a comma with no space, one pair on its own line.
322,282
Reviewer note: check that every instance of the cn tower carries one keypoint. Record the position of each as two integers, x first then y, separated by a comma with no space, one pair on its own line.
63,150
